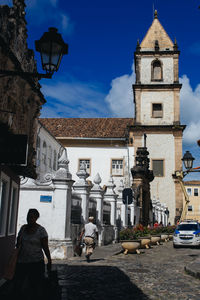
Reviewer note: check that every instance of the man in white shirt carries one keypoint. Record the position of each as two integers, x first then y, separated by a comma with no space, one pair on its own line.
90,231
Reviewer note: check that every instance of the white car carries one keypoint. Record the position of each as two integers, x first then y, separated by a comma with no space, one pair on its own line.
187,233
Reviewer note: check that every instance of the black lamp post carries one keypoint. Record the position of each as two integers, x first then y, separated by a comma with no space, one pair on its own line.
188,160
188,163
52,48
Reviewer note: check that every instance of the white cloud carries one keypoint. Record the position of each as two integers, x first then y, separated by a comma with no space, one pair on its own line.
120,96
190,110
74,99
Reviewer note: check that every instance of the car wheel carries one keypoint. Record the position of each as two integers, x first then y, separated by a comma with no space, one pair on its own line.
175,246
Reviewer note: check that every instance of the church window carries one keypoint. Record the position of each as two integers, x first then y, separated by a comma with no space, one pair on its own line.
156,71
196,192
44,153
157,110
158,167
117,167
88,164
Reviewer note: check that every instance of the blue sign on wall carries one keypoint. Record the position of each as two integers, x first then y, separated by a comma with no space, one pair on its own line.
45,199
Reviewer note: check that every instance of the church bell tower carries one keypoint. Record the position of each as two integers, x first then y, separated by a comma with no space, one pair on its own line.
157,112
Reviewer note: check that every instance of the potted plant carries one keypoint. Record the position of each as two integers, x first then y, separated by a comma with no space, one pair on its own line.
144,235
155,236
130,241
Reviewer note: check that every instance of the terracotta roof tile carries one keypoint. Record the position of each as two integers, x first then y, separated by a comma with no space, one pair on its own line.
87,127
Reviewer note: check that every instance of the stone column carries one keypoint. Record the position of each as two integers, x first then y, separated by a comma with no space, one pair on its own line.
123,215
82,188
110,196
60,242
132,207
154,217
159,211
97,194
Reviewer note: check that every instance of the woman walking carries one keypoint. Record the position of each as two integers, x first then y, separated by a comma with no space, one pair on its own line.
32,240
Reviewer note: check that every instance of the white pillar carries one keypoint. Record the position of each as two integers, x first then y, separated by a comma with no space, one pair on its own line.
60,242
110,196
123,215
132,207
97,194
82,188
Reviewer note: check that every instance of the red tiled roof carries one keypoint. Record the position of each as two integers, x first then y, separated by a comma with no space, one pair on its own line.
87,127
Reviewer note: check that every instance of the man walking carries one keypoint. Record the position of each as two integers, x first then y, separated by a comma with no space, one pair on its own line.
90,231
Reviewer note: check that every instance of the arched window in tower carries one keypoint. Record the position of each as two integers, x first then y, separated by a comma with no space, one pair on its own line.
156,70
44,153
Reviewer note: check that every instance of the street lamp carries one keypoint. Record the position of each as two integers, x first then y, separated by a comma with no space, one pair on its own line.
188,160
52,48
188,164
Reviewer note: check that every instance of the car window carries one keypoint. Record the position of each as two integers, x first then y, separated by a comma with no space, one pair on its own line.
187,227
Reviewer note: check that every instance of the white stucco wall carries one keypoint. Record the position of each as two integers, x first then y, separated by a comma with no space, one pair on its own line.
45,136
168,73
30,198
100,158
161,146
167,100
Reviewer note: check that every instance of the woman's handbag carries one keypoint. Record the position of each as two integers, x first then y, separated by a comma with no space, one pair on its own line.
10,268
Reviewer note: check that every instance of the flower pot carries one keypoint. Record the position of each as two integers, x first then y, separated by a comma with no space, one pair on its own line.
164,237
145,241
155,239
131,246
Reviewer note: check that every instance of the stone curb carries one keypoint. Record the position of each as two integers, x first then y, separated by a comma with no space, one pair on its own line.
193,269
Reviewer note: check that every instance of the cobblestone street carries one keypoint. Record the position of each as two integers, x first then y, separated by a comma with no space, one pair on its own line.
156,273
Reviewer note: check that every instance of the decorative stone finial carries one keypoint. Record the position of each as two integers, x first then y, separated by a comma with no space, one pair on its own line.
63,169
97,179
82,174
155,14
175,45
110,187
138,45
96,187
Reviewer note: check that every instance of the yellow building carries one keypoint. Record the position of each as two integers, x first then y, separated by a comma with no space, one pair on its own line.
193,191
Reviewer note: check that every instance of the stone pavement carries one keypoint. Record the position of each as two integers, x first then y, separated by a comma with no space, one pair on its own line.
193,268
159,273
156,274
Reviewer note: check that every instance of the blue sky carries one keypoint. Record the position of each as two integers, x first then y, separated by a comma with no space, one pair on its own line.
95,79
